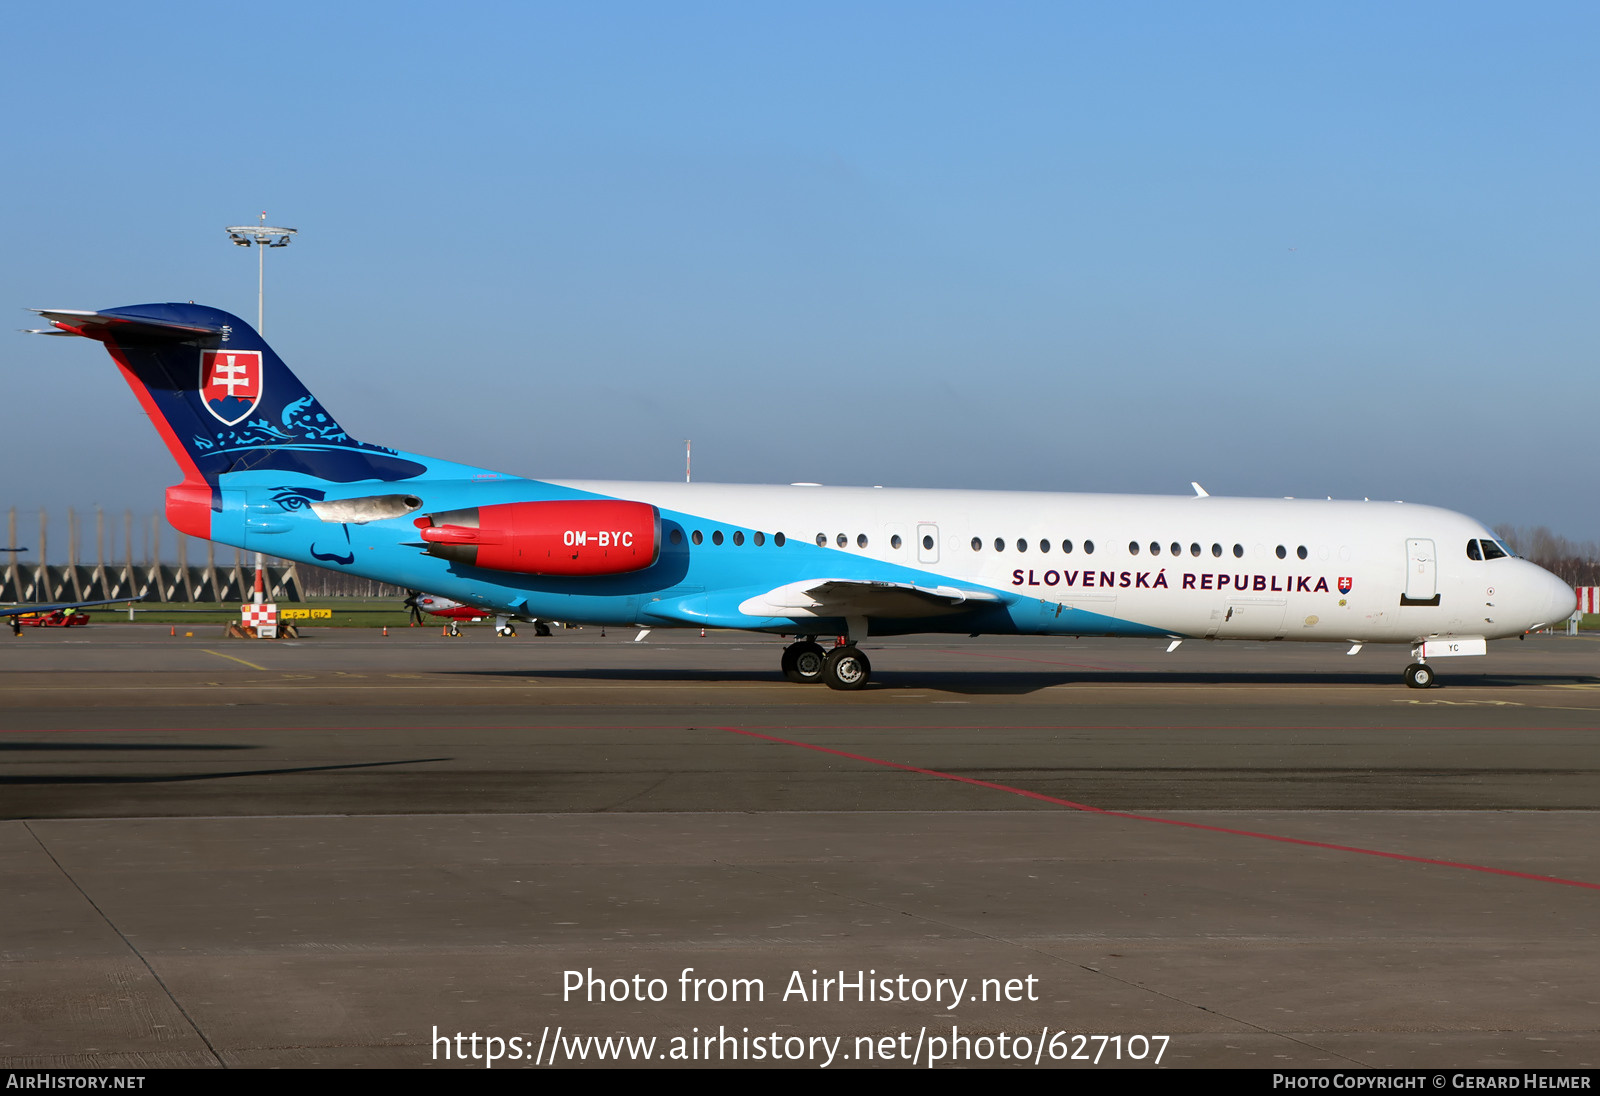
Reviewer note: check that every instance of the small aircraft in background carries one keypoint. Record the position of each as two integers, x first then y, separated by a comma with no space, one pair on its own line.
458,613
61,614
57,618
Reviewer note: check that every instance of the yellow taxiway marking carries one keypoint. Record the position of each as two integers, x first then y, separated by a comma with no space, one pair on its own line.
240,661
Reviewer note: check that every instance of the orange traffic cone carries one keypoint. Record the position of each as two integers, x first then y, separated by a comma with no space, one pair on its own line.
174,629
385,629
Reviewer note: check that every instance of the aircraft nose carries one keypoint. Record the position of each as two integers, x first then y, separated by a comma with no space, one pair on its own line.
1552,598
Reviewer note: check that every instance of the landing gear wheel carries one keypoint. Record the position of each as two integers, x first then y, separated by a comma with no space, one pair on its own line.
541,629
508,632
846,668
802,662
1419,675
455,630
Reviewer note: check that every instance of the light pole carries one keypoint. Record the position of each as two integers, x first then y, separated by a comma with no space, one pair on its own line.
262,235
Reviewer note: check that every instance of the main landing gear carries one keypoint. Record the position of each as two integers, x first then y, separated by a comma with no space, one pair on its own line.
844,667
802,662
506,628
1419,675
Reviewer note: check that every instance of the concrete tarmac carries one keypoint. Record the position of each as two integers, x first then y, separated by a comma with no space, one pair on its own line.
348,849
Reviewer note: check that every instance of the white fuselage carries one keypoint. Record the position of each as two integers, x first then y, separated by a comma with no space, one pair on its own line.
1302,569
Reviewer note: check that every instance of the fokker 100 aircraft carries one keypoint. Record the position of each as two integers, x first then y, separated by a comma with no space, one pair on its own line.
267,468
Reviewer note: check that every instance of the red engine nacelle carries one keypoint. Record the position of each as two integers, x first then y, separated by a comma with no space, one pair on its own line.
577,537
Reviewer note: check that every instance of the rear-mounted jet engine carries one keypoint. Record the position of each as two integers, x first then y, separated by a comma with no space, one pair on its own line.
577,537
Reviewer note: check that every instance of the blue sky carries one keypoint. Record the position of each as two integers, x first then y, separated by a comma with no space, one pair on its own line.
1282,249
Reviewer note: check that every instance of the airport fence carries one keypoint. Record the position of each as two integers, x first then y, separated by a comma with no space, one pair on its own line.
25,579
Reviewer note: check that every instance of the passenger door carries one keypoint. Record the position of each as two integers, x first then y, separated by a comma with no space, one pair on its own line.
1422,574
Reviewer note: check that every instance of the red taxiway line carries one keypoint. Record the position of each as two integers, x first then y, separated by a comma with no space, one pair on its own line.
1163,821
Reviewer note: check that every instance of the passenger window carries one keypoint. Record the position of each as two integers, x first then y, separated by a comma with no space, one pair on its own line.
1216,550
1022,545
760,539
1301,552
716,536
1472,550
841,540
1066,547
861,540
738,537
927,543
894,541
822,540
1044,546
1088,547
1155,549
1238,551
999,544
1177,549
676,536
1194,549
777,539
977,544
1133,547
696,537
1283,553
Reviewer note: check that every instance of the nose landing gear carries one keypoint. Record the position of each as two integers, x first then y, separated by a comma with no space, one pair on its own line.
1419,675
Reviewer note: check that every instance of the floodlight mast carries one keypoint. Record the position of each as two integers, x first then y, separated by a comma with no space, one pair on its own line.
262,235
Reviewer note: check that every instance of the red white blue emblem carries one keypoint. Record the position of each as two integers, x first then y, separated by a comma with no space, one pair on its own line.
1345,584
230,383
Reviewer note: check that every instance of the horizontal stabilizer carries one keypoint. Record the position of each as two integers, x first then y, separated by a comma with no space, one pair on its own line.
149,321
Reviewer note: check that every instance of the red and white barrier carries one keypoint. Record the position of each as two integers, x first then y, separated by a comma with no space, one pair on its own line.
262,617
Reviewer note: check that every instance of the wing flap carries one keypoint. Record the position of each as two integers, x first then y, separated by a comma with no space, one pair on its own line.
845,597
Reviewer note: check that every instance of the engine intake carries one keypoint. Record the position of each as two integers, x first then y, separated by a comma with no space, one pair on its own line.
576,537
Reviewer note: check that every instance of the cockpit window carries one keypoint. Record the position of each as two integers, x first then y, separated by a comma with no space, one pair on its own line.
1472,550
1493,550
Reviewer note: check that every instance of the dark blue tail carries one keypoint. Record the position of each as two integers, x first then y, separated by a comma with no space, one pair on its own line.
223,400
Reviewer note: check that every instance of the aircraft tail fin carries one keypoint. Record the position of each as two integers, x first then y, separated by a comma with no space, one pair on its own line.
223,400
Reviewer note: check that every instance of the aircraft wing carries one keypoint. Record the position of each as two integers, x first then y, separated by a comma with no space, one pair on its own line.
847,597
24,610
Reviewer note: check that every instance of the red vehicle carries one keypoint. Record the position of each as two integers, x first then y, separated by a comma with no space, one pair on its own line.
457,614
56,618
